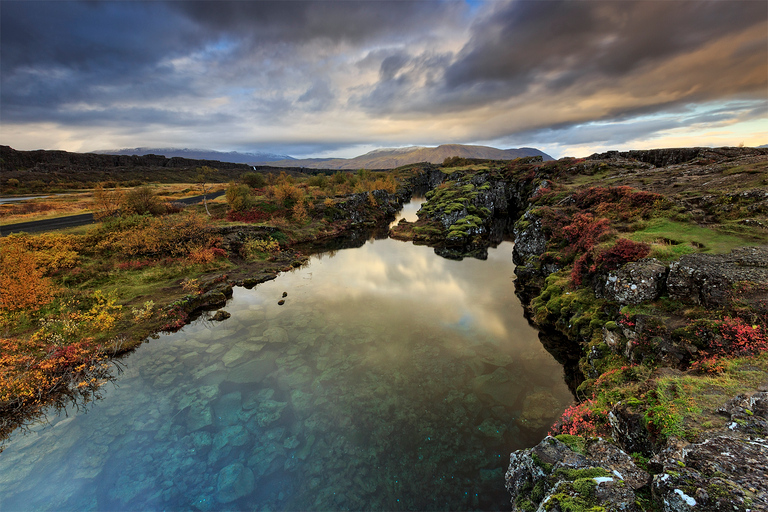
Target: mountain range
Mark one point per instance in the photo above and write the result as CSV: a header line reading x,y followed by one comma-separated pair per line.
x,y
387,158
200,154
395,157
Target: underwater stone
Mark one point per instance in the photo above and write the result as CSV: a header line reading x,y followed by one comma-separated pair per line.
x,y
293,379
269,412
201,439
276,335
234,356
306,449
199,416
301,401
497,387
251,372
231,436
253,399
216,347
291,442
540,409
233,482
227,408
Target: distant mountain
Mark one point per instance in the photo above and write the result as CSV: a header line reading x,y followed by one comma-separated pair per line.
x,y
395,157
200,154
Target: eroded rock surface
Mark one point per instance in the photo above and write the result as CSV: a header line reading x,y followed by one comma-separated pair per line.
x,y
554,476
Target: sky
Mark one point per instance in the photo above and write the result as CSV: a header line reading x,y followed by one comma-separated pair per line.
x,y
340,78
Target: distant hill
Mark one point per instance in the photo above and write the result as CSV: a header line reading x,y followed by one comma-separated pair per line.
x,y
200,154
395,157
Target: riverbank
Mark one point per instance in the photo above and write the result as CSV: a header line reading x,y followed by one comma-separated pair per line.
x,y
646,273
73,302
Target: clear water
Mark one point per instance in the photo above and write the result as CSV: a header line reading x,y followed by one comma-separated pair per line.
x,y
390,379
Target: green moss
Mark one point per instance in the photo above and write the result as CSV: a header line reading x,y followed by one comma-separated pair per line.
x,y
575,443
577,474
547,467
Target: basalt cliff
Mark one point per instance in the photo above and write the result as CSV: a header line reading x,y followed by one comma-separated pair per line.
x,y
647,275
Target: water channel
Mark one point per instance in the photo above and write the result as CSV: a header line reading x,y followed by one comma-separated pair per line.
x,y
391,379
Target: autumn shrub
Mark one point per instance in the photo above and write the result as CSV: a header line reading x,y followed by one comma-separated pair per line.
x,y
611,258
585,419
54,251
154,237
239,197
206,254
254,215
254,179
286,193
142,201
299,212
259,249
23,285
585,231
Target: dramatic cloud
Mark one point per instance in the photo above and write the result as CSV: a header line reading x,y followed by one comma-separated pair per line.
x,y
338,76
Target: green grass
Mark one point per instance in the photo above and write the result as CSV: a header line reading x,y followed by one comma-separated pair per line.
x,y
671,239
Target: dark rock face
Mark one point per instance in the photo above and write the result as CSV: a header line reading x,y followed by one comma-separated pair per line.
x,y
552,476
674,156
708,279
530,240
369,207
628,429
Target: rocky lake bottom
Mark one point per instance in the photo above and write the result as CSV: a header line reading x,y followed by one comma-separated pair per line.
x,y
390,379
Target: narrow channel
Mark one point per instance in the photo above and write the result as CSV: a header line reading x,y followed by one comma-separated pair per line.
x,y
390,379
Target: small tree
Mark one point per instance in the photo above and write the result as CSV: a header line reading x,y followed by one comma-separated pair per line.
x,y
107,203
204,177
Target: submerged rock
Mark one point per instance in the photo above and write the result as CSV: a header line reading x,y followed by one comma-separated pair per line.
x,y
233,482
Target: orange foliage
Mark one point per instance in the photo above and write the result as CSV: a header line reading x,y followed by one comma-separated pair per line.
x,y
22,284
54,251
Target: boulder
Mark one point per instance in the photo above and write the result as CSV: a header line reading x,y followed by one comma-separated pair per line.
x,y
634,283
233,482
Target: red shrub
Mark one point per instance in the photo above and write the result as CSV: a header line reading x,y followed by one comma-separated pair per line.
x,y
581,420
585,231
253,215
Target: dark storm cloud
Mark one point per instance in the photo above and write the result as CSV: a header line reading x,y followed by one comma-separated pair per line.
x,y
525,41
302,21
580,48
56,53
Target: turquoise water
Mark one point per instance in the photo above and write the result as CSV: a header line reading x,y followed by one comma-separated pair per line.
x,y
391,379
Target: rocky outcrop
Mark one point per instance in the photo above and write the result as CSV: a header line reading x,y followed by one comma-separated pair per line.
x,y
725,471
709,279
674,156
579,475
368,208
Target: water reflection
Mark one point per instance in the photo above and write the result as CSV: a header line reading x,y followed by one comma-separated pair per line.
x,y
391,379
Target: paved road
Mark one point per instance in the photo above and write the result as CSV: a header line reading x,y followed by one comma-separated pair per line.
x,y
76,220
